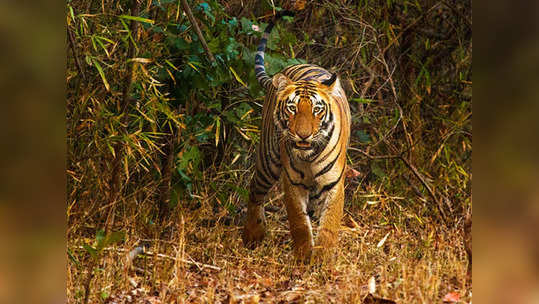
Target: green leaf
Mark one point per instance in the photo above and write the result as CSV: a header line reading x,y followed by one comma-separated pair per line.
x,y
114,237
181,44
236,76
100,237
101,73
288,18
136,18
91,250
244,193
100,240
377,170
72,257
104,295
363,136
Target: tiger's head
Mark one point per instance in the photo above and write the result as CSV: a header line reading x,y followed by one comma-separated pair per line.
x,y
303,113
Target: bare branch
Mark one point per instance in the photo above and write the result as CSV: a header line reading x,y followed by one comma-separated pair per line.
x,y
187,10
75,54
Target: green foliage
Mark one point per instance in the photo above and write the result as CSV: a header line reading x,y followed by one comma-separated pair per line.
x,y
205,81
102,241
409,91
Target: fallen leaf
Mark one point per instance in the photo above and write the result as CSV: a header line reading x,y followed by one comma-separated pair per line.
x,y
372,285
382,241
351,173
452,297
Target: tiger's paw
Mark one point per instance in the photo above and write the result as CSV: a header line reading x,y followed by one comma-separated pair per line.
x,y
303,254
320,255
253,233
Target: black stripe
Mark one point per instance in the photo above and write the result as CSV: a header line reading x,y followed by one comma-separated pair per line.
x,y
327,187
275,152
262,45
274,175
259,60
296,169
325,125
336,144
262,180
328,166
330,133
275,157
296,184
265,169
282,121
310,70
293,69
268,144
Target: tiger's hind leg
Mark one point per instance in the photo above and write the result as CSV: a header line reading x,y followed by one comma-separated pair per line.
x,y
254,229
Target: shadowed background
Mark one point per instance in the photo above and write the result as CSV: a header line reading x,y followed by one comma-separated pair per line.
x,y
32,153
506,146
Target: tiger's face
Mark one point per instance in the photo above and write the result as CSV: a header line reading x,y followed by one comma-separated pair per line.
x,y
303,114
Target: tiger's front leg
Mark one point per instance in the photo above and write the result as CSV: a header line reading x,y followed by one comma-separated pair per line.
x,y
264,178
296,198
330,220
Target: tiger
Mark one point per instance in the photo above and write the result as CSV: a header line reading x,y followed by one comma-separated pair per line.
x,y
303,141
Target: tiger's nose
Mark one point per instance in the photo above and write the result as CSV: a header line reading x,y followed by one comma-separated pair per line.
x,y
304,134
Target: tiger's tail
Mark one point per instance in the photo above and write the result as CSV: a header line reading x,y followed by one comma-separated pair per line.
x,y
260,70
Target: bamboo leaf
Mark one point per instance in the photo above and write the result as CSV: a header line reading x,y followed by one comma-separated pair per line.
x,y
141,60
171,65
139,19
217,130
101,73
193,66
236,76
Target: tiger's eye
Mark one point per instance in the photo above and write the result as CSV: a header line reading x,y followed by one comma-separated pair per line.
x,y
291,108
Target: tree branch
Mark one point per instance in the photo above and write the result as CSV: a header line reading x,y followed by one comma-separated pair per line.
x,y
414,171
193,21
75,55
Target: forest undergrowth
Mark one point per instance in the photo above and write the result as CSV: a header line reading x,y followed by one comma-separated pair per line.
x,y
162,127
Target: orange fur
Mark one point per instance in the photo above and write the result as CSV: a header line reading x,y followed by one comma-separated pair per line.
x,y
313,130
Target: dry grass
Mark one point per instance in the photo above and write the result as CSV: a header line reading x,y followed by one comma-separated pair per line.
x,y
417,263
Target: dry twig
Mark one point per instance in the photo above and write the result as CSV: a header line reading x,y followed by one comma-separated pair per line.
x,y
194,22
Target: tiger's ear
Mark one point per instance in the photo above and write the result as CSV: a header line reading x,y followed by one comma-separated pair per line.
x,y
332,83
280,81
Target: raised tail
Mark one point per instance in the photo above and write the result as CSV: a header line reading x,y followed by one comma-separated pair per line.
x,y
260,70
